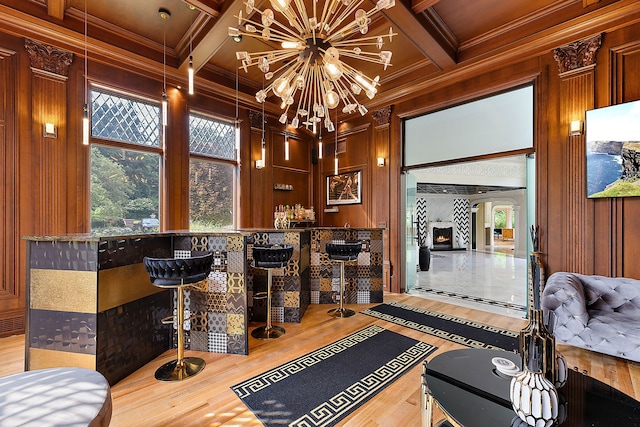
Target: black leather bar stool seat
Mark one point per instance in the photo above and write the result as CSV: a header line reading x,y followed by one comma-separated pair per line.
x,y
178,273
343,252
270,257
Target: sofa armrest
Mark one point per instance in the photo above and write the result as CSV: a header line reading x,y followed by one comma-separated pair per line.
x,y
564,296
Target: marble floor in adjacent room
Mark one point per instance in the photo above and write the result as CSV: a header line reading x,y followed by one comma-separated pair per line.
x,y
490,280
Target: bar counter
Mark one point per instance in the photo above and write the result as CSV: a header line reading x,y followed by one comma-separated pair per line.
x,y
90,302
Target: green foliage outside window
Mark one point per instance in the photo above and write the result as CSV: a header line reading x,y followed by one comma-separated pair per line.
x,y
124,190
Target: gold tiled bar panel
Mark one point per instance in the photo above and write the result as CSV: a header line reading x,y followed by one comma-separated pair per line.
x,y
63,290
44,359
121,285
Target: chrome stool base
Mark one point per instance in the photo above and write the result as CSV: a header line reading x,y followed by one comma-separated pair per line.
x,y
341,312
171,371
268,332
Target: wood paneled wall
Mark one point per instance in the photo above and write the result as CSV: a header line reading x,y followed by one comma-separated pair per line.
x,y
46,183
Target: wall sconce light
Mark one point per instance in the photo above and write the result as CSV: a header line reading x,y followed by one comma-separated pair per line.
x,y
575,128
259,164
380,162
49,130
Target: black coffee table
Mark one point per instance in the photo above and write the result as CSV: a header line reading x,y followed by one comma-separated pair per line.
x,y
470,392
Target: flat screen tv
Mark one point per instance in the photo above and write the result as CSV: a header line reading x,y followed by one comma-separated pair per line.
x,y
613,151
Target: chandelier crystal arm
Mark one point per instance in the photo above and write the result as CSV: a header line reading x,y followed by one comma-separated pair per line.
x,y
359,41
337,20
289,13
256,30
367,57
302,12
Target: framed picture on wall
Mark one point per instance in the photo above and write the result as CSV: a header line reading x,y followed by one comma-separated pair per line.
x,y
344,189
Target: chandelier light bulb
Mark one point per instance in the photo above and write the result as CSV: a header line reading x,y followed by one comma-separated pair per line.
x,y
291,45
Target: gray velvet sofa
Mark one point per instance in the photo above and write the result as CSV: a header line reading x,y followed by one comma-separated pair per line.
x,y
595,312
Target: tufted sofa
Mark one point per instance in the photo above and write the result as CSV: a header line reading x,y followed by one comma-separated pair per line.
x,y
595,312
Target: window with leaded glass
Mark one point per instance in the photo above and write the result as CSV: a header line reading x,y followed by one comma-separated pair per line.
x,y
125,163
212,173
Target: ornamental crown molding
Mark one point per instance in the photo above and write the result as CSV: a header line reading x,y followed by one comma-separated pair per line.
x,y
382,116
256,119
48,58
577,55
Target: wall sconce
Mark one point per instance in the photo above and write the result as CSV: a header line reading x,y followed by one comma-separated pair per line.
x,y
49,130
575,128
380,162
259,164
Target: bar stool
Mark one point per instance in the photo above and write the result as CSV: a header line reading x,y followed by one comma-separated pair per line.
x,y
343,252
269,257
178,273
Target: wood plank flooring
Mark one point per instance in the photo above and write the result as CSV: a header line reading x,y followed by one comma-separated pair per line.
x,y
207,400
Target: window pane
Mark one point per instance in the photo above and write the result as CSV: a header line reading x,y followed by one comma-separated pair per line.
x,y
210,194
117,118
211,138
124,191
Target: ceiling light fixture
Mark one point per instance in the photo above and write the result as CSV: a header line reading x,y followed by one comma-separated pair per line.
x,y
335,159
191,72
313,49
262,162
286,143
85,108
165,15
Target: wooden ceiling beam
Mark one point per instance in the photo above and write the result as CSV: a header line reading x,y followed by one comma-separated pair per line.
x,y
56,8
210,7
211,42
425,35
421,5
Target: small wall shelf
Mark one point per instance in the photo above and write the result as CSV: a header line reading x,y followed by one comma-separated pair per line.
x,y
283,187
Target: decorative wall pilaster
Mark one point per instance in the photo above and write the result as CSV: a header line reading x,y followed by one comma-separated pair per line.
x,y
576,65
49,73
380,179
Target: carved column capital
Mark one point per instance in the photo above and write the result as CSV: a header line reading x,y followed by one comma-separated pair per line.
x,y
48,58
256,119
382,116
577,55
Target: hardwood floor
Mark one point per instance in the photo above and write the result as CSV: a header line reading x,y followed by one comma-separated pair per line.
x,y
207,400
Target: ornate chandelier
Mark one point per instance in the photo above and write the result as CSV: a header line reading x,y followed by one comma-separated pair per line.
x,y
311,56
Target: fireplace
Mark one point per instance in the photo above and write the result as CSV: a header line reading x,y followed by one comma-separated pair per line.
x,y
442,238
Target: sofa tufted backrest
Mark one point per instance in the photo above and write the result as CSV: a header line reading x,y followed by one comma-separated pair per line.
x,y
617,294
564,294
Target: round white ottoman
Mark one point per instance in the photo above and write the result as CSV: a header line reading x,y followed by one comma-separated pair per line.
x,y
55,397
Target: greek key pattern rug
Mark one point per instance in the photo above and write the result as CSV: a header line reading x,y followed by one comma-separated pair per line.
x,y
324,386
462,331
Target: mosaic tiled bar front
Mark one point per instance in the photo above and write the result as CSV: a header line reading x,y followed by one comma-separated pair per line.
x,y
91,303
363,278
219,311
290,291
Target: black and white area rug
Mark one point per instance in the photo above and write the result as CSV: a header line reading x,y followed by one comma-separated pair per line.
x,y
456,329
480,300
324,386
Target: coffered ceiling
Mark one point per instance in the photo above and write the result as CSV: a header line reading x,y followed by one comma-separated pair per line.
x,y
437,41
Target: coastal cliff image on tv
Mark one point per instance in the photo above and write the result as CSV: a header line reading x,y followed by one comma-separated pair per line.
x,y
613,151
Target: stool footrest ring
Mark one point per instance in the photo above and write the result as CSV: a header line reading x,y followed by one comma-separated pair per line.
x,y
168,320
